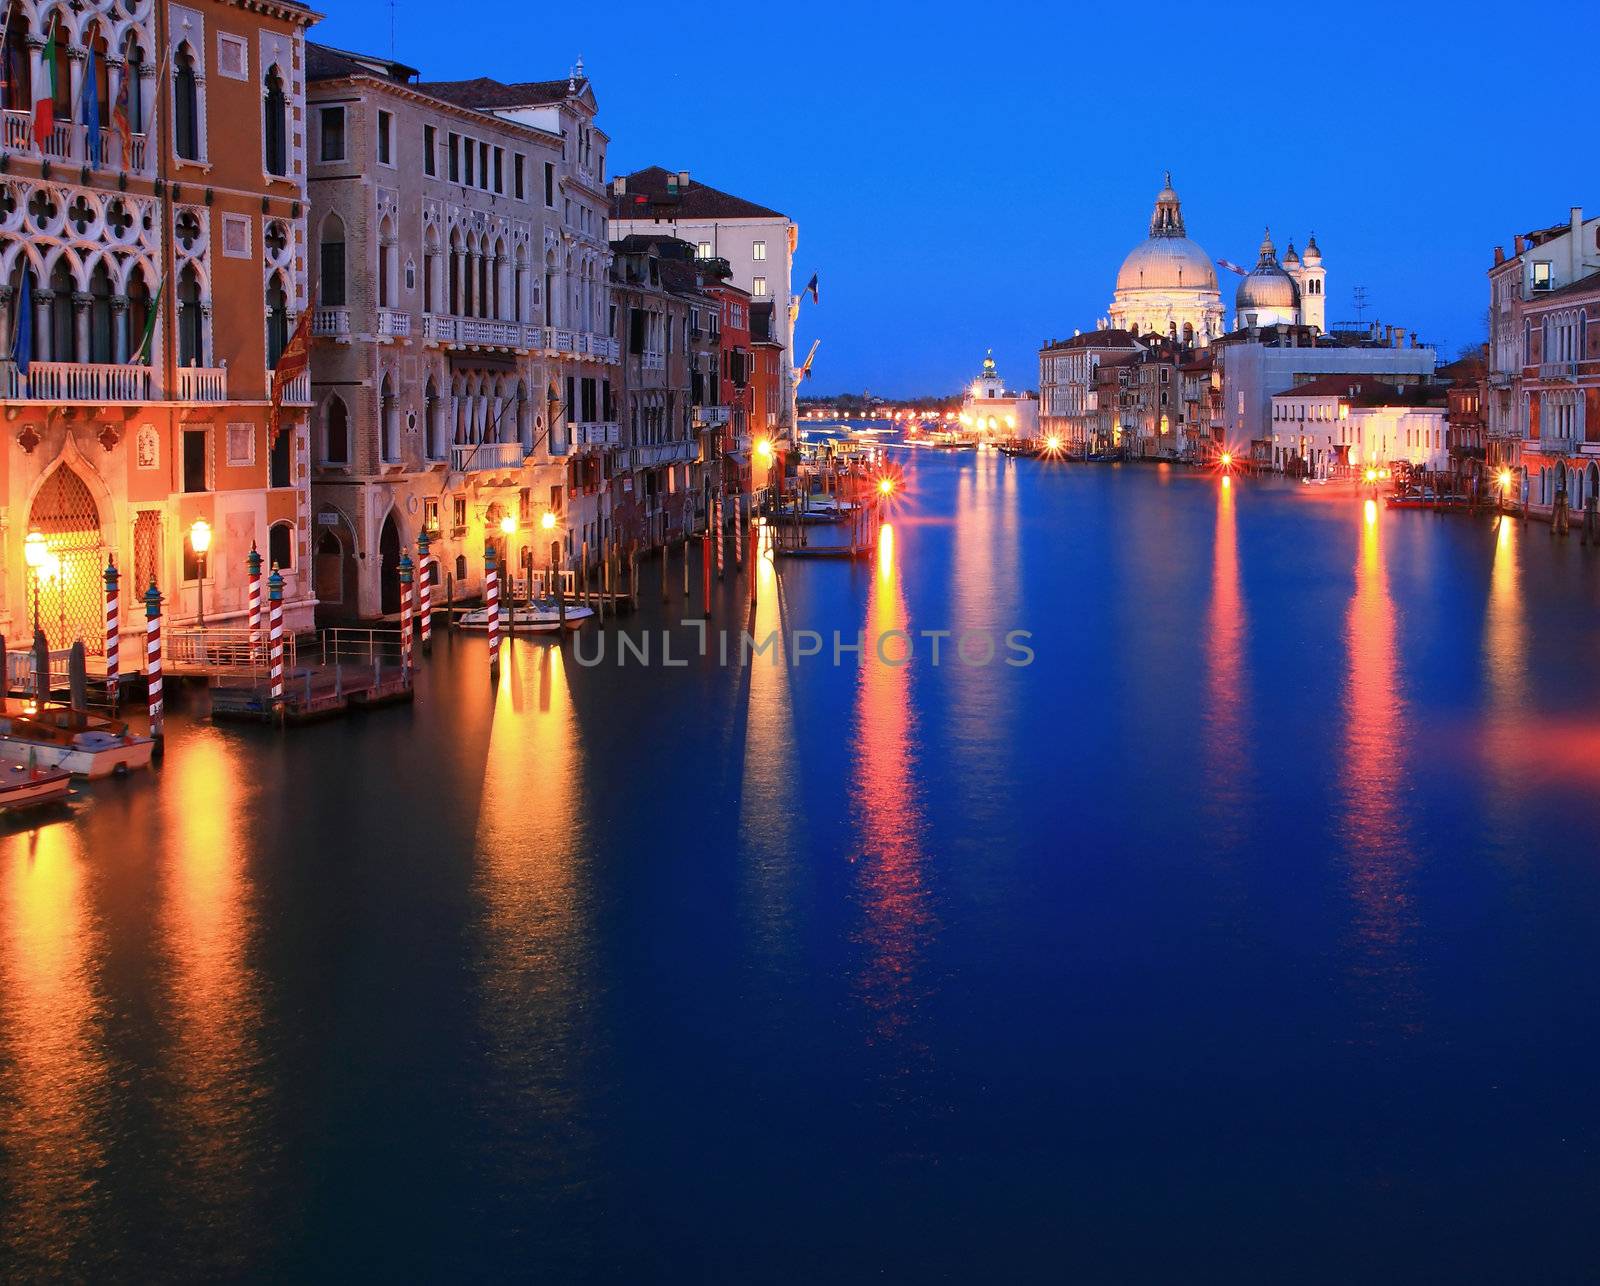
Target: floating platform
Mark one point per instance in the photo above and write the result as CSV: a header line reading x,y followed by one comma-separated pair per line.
x,y
311,693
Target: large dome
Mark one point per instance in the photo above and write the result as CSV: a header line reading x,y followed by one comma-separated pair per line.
x,y
1168,260
1167,263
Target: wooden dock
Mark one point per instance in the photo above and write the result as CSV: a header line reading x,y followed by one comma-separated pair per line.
x,y
357,669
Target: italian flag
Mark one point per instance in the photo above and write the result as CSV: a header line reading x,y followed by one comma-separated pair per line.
x,y
44,107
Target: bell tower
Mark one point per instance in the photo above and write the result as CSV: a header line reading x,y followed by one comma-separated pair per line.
x,y
1312,279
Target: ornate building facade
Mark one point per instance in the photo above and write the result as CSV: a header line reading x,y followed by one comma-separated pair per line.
x,y
465,359
163,273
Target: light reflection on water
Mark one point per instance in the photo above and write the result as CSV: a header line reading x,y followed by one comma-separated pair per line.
x,y
1226,757
892,886
52,1067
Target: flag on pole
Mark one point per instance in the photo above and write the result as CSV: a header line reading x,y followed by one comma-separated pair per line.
x,y
294,359
23,351
141,355
44,106
119,116
812,287
90,111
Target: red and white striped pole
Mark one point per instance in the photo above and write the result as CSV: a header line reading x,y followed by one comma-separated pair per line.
x,y
405,614
253,567
491,604
113,632
424,596
738,529
152,659
716,506
275,635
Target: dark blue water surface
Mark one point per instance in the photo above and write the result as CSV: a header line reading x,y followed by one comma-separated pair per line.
x,y
1248,934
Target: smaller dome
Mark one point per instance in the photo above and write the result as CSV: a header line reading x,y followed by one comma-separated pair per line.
x,y
1267,286
1313,255
1291,257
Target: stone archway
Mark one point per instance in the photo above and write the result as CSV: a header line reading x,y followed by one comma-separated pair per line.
x,y
69,589
389,566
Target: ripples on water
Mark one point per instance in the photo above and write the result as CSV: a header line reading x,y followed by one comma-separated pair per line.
x,y
1265,894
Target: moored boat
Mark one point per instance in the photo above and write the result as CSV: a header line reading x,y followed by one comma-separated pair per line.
x,y
84,744
541,617
22,786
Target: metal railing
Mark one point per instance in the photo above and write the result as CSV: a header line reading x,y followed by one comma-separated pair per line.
x,y
227,649
474,457
21,670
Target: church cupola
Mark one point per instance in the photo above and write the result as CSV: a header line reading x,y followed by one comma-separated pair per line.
x,y
1167,221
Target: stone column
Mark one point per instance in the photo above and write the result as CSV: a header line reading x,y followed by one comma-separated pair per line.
x,y
119,330
77,141
81,299
147,93
5,319
42,299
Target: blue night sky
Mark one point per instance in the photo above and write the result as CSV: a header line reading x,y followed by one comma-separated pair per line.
x,y
968,176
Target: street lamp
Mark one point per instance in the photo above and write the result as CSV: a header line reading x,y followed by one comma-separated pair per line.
x,y
508,525
34,552
200,541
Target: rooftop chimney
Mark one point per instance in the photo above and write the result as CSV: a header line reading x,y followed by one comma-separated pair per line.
x,y
1499,255
1521,243
683,179
619,186
1575,245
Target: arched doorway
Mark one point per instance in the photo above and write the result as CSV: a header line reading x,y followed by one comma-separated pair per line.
x,y
71,591
389,566
329,569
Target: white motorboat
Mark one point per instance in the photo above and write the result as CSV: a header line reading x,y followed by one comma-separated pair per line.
x,y
52,736
540,617
25,786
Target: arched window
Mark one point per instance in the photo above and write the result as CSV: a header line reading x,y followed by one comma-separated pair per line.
x,y
277,319
387,413
191,330
62,348
132,76
386,256
101,343
336,432
331,263
280,546
137,315
275,124
185,106
18,87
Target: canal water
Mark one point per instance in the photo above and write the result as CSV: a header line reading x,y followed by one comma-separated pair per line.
x,y
1247,933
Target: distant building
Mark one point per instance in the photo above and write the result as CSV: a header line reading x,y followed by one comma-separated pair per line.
x,y
1068,405
1465,384
991,410
1338,423
1258,363
766,376
758,243
1286,294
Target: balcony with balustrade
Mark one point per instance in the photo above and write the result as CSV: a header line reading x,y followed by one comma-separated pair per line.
x,y
69,142
393,324
482,457
91,383
202,384
1561,372
597,434
331,323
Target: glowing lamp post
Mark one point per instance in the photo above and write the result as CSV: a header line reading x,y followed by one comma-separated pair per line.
x,y
35,552
1227,459
200,542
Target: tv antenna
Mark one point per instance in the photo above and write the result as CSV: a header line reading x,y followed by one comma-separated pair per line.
x,y
1360,295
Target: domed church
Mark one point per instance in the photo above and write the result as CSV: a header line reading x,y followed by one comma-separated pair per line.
x,y
1167,285
1289,294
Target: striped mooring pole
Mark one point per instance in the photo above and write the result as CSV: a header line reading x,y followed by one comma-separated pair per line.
x,y
252,564
716,507
738,529
113,632
424,595
491,604
152,658
405,614
275,634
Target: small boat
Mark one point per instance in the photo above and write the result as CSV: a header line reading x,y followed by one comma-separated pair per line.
x,y
30,786
84,744
543,616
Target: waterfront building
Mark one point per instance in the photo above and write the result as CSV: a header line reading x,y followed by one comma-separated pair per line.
x,y
1336,423
723,398
1543,384
757,243
464,363
150,279
1068,396
1200,423
1465,382
1167,285
766,375
655,288
1257,363
989,409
